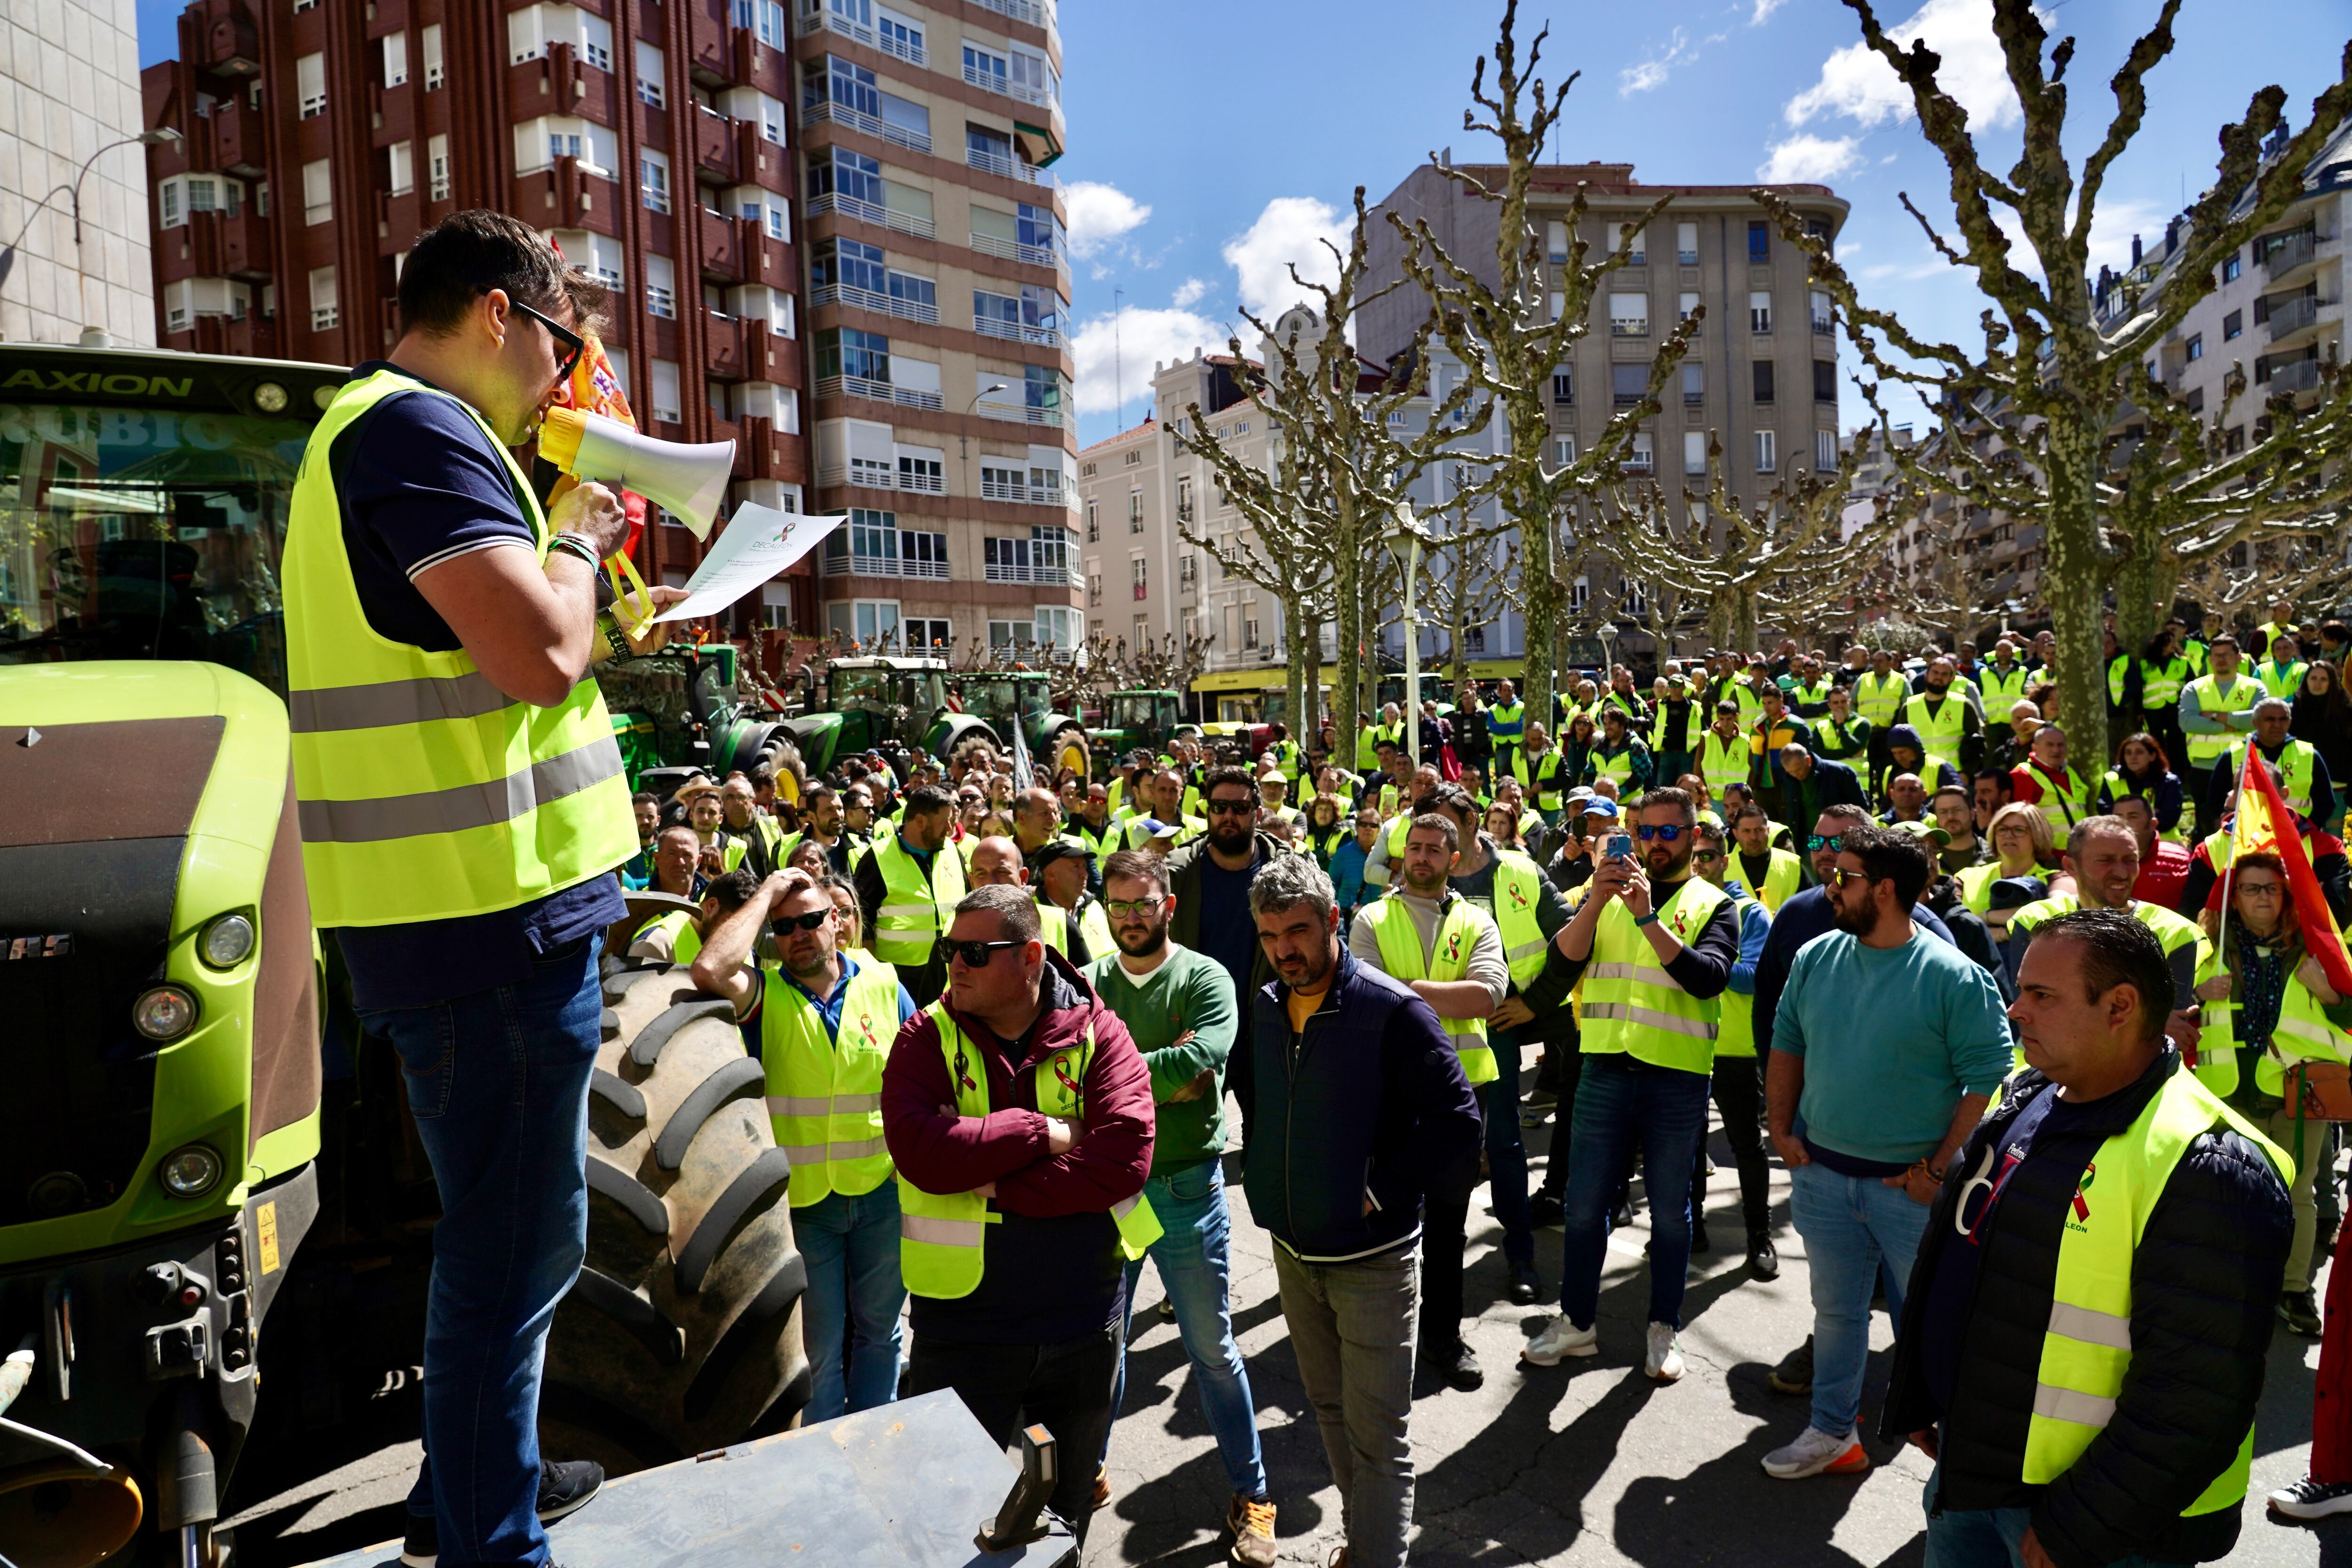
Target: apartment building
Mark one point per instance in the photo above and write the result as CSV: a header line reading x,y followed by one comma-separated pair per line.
x,y
69,119
1127,535
652,141
1761,373
938,298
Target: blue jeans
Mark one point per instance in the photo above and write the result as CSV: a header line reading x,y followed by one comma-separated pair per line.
x,y
1856,1229
1191,1252
498,1081
1623,1107
851,1246
1507,1152
1986,1538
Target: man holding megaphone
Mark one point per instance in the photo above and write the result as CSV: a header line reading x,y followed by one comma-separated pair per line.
x,y
463,807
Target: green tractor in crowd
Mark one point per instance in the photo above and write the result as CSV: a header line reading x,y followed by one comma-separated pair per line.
x,y
871,704
190,1094
994,702
1138,721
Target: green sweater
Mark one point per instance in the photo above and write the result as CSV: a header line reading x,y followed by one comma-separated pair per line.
x,y
1191,990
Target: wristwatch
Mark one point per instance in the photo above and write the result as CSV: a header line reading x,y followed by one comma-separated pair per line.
x,y
610,630
1649,920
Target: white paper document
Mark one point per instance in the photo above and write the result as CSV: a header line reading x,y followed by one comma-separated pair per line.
x,y
757,545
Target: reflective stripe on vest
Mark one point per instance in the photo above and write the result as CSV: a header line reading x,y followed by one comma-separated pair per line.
x,y
2301,1033
2087,1350
1630,1004
824,1095
1401,956
917,906
1397,831
422,792
1507,724
2000,692
1541,783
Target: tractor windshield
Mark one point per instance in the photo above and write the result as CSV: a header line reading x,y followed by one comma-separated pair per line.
x,y
991,697
1134,711
867,688
144,533
922,691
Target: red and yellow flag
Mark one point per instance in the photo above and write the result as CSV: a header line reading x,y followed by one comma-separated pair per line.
x,y
2264,825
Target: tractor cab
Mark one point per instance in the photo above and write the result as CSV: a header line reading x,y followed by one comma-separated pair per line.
x,y
1006,698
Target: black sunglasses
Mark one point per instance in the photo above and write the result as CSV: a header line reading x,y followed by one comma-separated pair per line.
x,y
976,955
809,922
569,345
1231,807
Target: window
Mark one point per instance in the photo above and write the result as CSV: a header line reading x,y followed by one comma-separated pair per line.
x,y
2232,266
1767,452
2234,326
436,167
1694,451
311,85
1563,388
1759,241
2234,439
1134,459
1825,452
1579,594
597,40
1760,312
897,35
1686,303
1762,371
2197,400
396,60
317,193
666,406
652,179
1094,519
1140,576
847,352
653,76
2197,346
845,84
837,170
1556,242
323,313
1135,512
1629,314
1824,324
432,52
1686,244
400,160
1628,383
1043,557
764,18
1694,384
1558,305
925,474
1637,596
1825,386
661,286
1249,633
1641,459
1637,250
982,69
871,622
167,199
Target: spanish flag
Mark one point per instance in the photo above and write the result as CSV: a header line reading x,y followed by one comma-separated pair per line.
x,y
2264,825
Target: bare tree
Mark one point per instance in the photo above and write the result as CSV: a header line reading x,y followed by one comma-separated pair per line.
x,y
1464,577
2044,406
1510,342
1336,471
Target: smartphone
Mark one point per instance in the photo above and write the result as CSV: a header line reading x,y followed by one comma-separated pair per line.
x,y
1619,846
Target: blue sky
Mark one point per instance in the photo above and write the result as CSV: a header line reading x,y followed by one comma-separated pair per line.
x,y
1212,143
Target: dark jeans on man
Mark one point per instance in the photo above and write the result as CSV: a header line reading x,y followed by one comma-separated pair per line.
x,y
1065,1387
1621,1106
498,1081
1739,1098
1564,1067
1444,1233
1507,1151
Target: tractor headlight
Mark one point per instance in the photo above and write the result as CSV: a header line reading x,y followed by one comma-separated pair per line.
x,y
227,941
270,397
190,1171
164,1012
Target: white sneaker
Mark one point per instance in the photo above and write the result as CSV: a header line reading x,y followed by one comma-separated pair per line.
x,y
1560,1338
1665,1361
1816,1453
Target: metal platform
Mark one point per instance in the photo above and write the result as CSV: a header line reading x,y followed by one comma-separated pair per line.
x,y
906,1484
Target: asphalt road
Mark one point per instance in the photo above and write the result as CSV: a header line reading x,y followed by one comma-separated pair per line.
x,y
1587,1463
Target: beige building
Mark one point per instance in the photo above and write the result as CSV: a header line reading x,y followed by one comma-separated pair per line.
x,y
68,114
939,302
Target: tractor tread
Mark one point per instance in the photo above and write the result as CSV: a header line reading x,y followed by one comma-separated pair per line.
x,y
633,1196
733,1081
689,1006
771,1171
624,1098
643,1321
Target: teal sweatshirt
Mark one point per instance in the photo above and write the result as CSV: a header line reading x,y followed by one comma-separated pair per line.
x,y
1189,991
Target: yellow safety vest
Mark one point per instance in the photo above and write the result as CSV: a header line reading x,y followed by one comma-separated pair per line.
x,y
824,1095
2204,751
1506,724
1401,956
1878,699
424,792
2173,932
1541,782
1628,1003
2000,691
2063,803
942,1249
2115,786
1366,757
1810,701
1735,1033
1976,885
2159,685
1518,895
1054,927
1617,767
2281,683
1399,829
2087,1354
2294,765
1099,843
685,940
2301,1033
1942,729
1931,772
1783,877
917,906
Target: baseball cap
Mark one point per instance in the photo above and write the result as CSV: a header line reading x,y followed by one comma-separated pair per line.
x,y
1054,850
1934,835
1154,828
1599,805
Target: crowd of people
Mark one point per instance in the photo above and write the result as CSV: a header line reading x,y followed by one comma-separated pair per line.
x,y
1947,969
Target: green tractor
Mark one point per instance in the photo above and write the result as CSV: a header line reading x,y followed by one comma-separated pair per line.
x,y
1137,720
993,702
677,712
874,703
174,1127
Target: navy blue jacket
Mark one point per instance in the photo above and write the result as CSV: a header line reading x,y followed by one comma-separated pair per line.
x,y
1367,1101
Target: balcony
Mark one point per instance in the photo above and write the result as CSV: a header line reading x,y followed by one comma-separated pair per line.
x,y
724,341
1629,327
1027,11
2290,316
2293,380
1016,331
232,139
761,453
1011,168
1011,250
1020,414
859,563
717,148
768,261
220,246
723,245
879,391
227,39
1019,91
1824,327
2289,256
880,304
873,213
1019,492
1037,576
857,120
769,355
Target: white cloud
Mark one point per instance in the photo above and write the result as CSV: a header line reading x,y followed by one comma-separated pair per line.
x,y
1857,83
1763,12
1100,214
1807,159
1289,232
1114,356
1189,292
1644,75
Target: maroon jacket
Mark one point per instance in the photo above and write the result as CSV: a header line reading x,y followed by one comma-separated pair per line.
x,y
1053,1270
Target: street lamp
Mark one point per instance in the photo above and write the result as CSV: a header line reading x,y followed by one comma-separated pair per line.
x,y
963,441
1407,538
160,137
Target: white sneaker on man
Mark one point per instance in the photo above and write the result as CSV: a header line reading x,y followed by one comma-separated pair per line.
x,y
1815,1453
1664,1360
1561,1338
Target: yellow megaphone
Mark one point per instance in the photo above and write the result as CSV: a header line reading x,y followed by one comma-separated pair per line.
x,y
687,481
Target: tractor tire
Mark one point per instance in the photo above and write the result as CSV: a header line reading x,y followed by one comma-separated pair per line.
x,y
1067,748
683,1333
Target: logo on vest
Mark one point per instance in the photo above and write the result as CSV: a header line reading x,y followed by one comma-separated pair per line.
x,y
2081,1206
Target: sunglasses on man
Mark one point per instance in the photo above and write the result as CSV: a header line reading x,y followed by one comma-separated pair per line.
x,y
569,345
781,924
1834,844
977,955
1665,832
